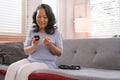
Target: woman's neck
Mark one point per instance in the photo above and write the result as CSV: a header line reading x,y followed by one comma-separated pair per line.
x,y
42,31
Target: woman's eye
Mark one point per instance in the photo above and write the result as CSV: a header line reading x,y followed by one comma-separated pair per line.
x,y
42,17
45,17
38,17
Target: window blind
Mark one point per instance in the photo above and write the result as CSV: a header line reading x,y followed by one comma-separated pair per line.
x,y
10,16
105,16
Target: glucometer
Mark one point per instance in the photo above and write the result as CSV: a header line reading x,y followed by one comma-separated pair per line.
x,y
37,37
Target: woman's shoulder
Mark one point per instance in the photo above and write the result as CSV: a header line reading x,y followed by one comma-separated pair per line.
x,y
57,31
31,30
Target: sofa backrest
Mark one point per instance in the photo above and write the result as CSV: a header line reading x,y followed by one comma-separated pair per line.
x,y
94,53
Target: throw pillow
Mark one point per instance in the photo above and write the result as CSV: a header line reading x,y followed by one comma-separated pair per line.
x,y
11,52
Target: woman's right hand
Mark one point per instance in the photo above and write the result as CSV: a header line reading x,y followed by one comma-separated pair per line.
x,y
35,42
30,49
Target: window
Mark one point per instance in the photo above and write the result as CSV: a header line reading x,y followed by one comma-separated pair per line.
x,y
11,19
105,16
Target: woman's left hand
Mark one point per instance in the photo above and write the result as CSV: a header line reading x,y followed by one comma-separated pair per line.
x,y
55,50
47,41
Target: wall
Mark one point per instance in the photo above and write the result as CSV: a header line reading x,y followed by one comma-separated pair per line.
x,y
62,17
69,18
65,18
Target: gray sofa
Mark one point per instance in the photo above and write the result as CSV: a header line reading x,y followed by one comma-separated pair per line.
x,y
99,59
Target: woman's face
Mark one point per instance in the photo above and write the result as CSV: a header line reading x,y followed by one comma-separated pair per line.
x,y
42,19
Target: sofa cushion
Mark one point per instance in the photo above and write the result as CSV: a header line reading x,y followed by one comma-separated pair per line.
x,y
11,52
107,56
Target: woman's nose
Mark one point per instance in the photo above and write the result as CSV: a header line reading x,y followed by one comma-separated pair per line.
x,y
41,19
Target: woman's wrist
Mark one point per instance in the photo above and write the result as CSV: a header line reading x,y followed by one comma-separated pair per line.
x,y
33,46
50,44
54,49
